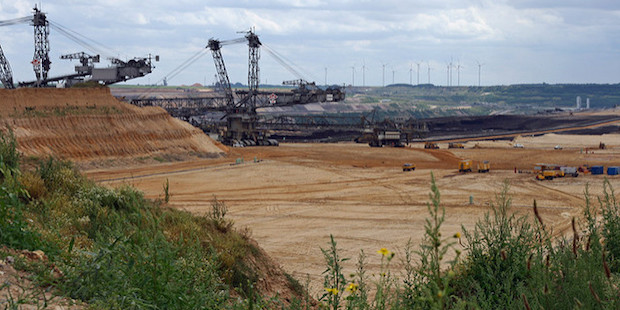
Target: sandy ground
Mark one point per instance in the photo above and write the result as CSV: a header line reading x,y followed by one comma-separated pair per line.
x,y
294,196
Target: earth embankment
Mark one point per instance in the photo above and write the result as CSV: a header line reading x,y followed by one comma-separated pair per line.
x,y
90,126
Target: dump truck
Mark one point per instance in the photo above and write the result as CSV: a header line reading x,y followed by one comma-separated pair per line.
x,y
408,167
484,166
548,171
456,145
431,145
549,174
465,165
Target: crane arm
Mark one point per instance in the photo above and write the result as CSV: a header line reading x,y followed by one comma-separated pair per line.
x,y
220,67
15,21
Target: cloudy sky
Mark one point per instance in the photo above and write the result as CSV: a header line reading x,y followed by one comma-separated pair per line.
x,y
362,42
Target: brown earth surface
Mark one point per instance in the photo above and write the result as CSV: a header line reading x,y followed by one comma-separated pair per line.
x,y
294,196
92,128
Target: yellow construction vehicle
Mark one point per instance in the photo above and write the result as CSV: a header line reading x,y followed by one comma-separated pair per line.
x,y
549,174
484,166
455,145
465,165
408,167
431,145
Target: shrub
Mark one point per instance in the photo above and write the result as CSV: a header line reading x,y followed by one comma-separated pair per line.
x,y
9,156
14,229
33,185
495,270
60,176
611,226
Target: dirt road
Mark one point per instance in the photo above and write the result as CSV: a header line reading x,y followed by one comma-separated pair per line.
x,y
294,196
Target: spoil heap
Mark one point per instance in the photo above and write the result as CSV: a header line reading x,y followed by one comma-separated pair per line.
x,y
89,125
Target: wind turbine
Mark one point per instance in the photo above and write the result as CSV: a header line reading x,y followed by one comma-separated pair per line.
x,y
458,73
429,71
393,73
383,74
418,64
479,69
411,74
353,77
364,73
325,76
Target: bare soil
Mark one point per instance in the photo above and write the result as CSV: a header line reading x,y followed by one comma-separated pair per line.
x,y
94,129
295,196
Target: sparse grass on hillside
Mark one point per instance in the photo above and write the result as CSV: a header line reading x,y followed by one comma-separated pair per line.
x,y
115,249
33,112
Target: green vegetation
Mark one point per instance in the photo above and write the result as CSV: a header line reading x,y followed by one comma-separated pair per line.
x,y
33,112
114,249
510,262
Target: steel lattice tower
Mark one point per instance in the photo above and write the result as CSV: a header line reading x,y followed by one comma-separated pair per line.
x,y
253,70
41,61
6,76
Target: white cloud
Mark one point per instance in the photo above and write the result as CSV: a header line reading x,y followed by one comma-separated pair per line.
x,y
338,34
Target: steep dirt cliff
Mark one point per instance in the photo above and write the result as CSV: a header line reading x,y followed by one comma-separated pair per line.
x,y
91,126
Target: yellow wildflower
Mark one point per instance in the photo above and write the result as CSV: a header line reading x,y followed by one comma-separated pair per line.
x,y
352,287
333,291
384,252
457,235
440,294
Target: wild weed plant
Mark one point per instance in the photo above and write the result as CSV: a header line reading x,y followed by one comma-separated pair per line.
x,y
509,261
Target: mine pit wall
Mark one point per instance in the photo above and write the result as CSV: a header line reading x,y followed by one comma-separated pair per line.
x,y
89,124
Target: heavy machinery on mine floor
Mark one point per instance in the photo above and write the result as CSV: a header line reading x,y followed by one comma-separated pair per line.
x,y
430,145
484,166
465,165
118,71
239,108
389,132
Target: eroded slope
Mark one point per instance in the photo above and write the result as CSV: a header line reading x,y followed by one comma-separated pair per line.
x,y
91,126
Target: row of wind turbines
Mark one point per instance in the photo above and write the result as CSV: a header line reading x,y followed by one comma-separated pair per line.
x,y
449,73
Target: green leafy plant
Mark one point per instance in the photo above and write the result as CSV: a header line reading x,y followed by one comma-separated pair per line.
x,y
334,281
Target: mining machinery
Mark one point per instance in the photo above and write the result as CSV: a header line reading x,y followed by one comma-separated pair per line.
x,y
6,76
239,107
241,117
41,60
119,71
86,61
